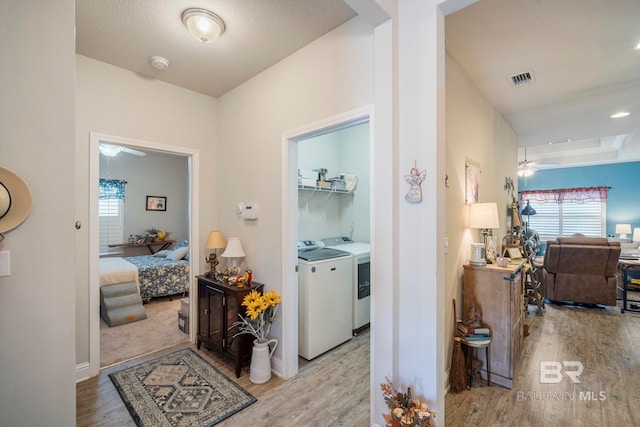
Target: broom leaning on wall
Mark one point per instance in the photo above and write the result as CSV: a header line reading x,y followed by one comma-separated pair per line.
x,y
458,370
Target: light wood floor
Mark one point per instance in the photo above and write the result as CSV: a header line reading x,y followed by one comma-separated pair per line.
x,y
605,341
331,390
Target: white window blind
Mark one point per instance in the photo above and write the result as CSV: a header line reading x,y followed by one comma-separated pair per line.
x,y
566,211
554,220
111,225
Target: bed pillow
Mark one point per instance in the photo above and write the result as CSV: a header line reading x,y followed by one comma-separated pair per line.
x,y
178,254
181,244
162,253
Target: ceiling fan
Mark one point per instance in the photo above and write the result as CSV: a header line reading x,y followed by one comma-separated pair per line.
x,y
111,150
526,167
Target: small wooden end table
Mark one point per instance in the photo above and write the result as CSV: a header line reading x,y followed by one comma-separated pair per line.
x,y
472,344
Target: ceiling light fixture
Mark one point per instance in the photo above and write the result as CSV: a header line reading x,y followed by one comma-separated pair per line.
x,y
204,26
109,150
637,47
559,141
619,115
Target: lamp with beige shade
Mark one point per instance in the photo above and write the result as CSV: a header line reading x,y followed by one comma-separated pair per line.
x,y
214,241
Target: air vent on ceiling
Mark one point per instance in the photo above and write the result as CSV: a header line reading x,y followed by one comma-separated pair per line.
x,y
523,79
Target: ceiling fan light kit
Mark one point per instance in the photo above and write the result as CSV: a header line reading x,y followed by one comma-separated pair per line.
x,y
205,26
111,150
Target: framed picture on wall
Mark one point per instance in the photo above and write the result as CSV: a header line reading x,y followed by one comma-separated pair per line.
x,y
156,203
472,182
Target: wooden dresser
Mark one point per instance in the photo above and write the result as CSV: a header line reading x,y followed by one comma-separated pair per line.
x,y
219,304
499,294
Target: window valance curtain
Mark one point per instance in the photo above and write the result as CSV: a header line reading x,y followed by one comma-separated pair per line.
x,y
111,189
571,195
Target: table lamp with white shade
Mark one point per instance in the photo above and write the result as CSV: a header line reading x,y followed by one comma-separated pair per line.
x,y
623,230
214,241
636,234
233,251
485,217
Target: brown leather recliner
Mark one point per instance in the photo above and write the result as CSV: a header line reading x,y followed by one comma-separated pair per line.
x,y
581,270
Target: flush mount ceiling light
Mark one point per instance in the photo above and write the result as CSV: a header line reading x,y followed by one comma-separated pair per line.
x,y
619,115
204,26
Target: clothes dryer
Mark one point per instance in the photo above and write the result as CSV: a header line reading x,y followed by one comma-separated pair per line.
x,y
361,278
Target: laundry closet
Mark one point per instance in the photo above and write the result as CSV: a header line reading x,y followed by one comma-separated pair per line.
x,y
334,231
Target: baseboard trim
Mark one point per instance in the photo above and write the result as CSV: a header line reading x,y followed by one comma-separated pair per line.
x,y
276,366
83,372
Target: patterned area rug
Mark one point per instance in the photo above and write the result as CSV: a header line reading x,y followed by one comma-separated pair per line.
x,y
179,389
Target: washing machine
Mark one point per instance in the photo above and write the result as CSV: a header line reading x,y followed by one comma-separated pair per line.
x,y
361,280
325,299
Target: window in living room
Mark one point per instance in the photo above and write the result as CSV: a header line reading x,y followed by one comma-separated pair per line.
x,y
564,212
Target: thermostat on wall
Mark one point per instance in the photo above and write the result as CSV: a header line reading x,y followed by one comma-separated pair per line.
x,y
247,210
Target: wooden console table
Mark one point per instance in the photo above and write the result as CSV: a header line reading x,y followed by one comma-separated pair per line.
x,y
498,293
163,244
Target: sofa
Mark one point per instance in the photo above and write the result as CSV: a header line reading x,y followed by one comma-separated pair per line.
x,y
581,270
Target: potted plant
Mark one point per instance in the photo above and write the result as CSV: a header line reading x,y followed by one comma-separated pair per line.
x,y
261,309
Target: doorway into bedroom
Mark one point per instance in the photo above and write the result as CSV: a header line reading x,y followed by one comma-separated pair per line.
x,y
143,234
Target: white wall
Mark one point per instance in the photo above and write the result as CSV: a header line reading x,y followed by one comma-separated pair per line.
x,y
330,76
156,174
322,215
476,132
37,302
114,101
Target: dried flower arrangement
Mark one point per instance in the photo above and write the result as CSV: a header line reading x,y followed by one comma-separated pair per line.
x,y
405,411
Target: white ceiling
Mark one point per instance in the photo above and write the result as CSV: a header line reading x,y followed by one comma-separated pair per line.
x,y
585,68
259,33
580,53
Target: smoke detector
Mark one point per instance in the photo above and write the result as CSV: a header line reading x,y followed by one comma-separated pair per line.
x,y
160,62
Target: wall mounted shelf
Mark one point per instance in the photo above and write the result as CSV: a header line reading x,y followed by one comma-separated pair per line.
x,y
323,189
318,190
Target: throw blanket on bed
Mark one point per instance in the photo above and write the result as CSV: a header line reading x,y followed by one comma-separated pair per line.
x,y
160,276
117,270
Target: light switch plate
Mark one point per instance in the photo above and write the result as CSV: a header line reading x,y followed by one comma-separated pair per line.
x,y
5,263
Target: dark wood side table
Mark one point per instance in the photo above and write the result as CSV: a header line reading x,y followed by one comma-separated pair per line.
x,y
630,272
219,304
164,244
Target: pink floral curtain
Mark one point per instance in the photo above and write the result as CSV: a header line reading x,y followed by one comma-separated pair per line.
x,y
560,195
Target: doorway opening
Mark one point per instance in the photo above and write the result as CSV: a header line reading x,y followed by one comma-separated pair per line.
x,y
185,223
291,220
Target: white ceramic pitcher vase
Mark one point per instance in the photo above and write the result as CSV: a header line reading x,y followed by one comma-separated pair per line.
x,y
260,368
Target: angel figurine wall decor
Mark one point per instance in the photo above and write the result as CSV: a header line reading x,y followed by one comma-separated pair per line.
x,y
415,179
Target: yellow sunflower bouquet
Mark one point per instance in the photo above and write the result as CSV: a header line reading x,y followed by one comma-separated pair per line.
x,y
261,310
